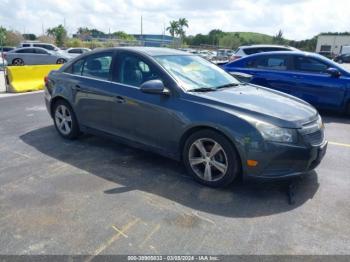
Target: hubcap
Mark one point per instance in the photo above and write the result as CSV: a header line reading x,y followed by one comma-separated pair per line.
x,y
63,119
18,62
208,159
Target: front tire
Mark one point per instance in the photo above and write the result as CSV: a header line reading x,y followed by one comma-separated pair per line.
x,y
65,120
211,158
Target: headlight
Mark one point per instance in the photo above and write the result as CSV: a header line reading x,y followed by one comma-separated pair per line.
x,y
276,134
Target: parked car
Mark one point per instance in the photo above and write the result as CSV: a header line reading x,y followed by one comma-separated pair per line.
x,y
243,51
184,107
6,49
311,77
345,49
46,46
345,58
35,56
76,51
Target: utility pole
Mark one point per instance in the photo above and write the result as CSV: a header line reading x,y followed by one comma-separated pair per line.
x,y
141,31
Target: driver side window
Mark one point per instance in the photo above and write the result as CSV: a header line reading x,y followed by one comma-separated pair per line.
x,y
308,64
134,71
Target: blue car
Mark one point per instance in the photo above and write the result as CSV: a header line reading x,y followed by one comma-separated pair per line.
x,y
308,76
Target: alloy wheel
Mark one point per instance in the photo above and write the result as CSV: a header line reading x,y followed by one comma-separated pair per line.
x,y
208,159
63,119
18,62
61,61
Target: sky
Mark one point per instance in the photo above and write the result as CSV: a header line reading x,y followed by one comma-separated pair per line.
x,y
298,19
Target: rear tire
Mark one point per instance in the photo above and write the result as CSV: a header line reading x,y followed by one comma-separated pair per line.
x,y
340,61
65,120
60,61
17,62
211,158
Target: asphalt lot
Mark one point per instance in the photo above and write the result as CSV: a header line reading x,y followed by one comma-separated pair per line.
x,y
94,196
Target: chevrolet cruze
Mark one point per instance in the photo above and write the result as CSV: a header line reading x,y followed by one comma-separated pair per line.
x,y
184,107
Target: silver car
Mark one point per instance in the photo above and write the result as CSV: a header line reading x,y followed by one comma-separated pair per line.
x,y
76,51
35,56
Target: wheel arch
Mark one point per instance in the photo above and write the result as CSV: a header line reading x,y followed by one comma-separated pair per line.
x,y
55,100
197,128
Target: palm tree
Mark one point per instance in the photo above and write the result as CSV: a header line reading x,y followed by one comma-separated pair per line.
x,y
183,22
173,28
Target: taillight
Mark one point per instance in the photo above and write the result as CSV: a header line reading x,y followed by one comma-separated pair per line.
x,y
46,80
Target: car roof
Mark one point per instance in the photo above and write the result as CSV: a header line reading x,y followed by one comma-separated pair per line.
x,y
36,43
150,51
284,53
254,46
31,47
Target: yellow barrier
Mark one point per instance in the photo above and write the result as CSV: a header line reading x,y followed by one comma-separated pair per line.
x,y
27,78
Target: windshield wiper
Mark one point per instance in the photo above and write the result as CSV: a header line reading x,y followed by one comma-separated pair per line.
x,y
228,85
202,89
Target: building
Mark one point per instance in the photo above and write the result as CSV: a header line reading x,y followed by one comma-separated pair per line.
x,y
330,44
156,40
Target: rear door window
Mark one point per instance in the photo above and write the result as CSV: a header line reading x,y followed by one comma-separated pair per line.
x,y
75,51
26,51
48,47
40,51
98,66
269,62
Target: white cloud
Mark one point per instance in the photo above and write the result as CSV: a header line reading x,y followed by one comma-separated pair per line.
x,y
298,19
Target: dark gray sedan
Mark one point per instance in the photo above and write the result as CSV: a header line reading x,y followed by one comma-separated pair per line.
x,y
184,107
35,56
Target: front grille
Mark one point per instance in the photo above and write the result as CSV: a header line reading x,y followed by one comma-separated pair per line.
x,y
315,138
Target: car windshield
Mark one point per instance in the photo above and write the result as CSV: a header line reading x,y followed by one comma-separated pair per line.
x,y
194,72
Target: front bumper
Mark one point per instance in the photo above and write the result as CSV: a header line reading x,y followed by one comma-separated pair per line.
x,y
283,160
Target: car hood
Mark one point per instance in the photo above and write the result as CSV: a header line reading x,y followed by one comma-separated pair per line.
x,y
268,105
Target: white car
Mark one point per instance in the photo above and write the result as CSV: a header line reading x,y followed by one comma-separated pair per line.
x,y
243,51
46,46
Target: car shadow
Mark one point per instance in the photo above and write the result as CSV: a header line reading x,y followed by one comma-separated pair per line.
x,y
133,169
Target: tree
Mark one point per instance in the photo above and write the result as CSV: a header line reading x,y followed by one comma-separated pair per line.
x,y
182,23
123,36
278,38
214,36
74,42
2,35
13,38
173,28
46,39
230,41
59,33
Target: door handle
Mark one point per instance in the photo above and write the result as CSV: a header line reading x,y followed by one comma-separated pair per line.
x,y
119,99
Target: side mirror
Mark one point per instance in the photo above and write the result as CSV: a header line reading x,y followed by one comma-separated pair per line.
x,y
242,77
333,72
154,87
